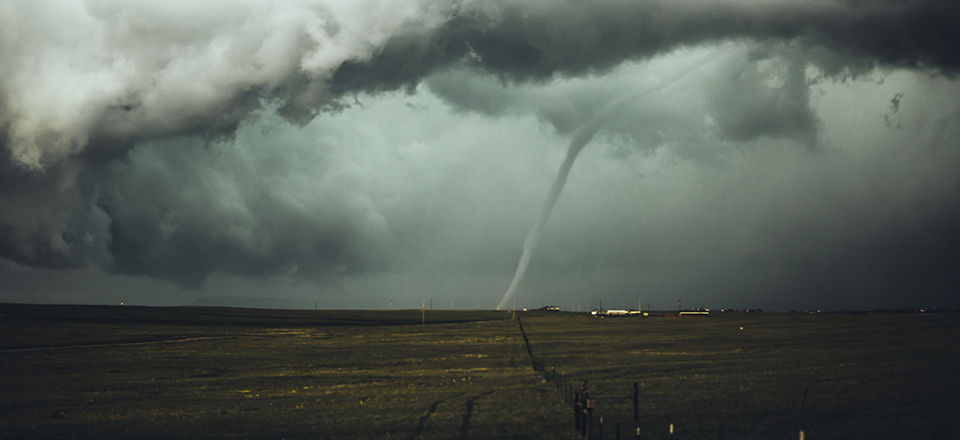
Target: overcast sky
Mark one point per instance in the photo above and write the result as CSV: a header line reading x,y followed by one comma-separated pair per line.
x,y
772,154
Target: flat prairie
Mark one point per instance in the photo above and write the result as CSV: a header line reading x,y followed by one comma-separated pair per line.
x,y
762,375
223,373
206,372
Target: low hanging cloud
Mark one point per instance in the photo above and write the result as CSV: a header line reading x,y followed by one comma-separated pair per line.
x,y
181,213
109,109
102,75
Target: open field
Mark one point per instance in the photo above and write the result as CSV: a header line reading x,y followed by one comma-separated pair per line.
x,y
101,372
206,372
748,375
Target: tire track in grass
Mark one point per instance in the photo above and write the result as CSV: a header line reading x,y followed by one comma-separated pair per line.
x,y
465,426
433,408
114,344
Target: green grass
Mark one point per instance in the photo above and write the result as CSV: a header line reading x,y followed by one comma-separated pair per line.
x,y
99,374
869,377
205,372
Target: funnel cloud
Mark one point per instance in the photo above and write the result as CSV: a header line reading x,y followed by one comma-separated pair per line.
x,y
581,138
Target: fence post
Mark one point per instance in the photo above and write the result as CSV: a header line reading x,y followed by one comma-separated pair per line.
x,y
583,417
617,432
636,403
600,430
589,422
577,410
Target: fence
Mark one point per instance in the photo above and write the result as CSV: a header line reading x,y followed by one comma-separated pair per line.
x,y
583,404
585,407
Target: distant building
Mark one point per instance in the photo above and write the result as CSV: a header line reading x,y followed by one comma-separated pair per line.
x,y
618,313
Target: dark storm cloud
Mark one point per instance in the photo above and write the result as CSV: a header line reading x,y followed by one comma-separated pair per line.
x,y
83,83
181,212
537,40
753,91
764,96
102,103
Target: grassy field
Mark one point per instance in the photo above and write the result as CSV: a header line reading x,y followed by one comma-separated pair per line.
x,y
112,372
748,375
206,372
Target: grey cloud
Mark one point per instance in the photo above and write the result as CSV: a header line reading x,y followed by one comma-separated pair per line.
x,y
84,83
693,101
517,42
536,40
48,219
105,108
182,212
764,96
143,71
784,228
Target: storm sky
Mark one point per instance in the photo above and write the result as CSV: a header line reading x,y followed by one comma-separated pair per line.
x,y
772,154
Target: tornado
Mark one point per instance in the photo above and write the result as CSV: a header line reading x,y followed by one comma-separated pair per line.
x,y
581,138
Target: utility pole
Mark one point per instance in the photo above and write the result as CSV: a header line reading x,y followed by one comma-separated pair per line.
x,y
423,313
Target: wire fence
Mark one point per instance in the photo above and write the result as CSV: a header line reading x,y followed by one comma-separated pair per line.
x,y
589,410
